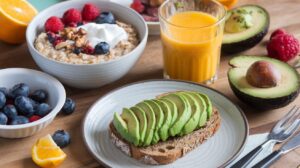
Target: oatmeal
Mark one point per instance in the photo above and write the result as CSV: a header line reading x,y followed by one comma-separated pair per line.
x,y
76,41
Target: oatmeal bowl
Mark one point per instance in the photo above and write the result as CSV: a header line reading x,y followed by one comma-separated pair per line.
x,y
87,44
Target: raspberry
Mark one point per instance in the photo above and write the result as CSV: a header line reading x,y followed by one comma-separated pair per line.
x,y
90,12
88,49
34,118
137,6
283,47
54,24
277,32
72,16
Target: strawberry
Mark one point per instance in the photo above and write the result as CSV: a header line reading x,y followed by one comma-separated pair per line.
x,y
138,6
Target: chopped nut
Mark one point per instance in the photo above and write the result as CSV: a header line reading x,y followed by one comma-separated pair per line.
x,y
81,31
80,42
61,45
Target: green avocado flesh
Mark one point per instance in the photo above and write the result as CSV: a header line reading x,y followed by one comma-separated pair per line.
x,y
251,35
174,114
284,92
133,134
141,115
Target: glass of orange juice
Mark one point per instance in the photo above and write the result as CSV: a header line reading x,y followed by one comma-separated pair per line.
x,y
191,33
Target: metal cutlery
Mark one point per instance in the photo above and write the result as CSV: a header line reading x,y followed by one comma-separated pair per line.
x,y
287,147
283,129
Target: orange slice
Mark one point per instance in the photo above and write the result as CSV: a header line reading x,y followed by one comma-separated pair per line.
x,y
15,15
228,3
46,154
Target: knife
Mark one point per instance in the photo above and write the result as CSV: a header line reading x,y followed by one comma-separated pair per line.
x,y
287,147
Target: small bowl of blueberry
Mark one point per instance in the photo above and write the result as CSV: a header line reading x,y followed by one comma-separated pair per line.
x,y
29,101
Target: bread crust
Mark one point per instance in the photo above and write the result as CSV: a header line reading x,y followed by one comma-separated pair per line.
x,y
170,150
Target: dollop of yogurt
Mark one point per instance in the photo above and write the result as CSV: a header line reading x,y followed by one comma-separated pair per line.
x,y
109,33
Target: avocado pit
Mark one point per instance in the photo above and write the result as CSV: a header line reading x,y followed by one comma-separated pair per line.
x,y
263,74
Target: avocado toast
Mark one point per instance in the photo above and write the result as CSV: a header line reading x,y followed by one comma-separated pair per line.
x,y
171,136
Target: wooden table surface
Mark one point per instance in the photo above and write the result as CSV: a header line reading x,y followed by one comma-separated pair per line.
x,y
16,153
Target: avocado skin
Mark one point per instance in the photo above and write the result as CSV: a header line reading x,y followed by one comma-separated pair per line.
x,y
233,48
264,104
236,47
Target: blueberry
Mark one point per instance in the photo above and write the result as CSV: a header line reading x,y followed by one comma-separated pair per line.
x,y
79,24
102,48
39,96
2,100
68,107
4,91
106,17
77,51
42,109
51,37
19,120
10,111
20,89
61,138
3,119
24,106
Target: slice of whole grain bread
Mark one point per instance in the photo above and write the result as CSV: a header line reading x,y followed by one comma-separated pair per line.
x,y
170,150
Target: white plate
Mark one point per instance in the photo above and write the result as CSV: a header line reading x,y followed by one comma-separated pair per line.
x,y
153,27
218,151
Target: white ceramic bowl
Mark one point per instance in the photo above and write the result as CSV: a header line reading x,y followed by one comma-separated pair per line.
x,y
92,75
153,27
36,80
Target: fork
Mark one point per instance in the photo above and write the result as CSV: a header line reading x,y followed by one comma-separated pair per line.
x,y
283,129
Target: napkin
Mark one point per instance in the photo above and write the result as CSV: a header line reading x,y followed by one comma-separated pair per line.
x,y
254,141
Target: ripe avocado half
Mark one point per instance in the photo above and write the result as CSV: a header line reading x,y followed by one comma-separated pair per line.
x,y
263,98
240,41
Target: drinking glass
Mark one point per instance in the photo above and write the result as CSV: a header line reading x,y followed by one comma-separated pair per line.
x,y
191,33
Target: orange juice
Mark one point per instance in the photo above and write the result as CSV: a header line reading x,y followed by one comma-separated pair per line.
x,y
191,46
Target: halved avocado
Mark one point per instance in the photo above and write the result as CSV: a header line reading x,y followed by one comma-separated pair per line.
x,y
159,115
255,28
286,90
141,115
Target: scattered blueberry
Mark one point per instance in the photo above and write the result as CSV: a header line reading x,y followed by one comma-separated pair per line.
x,y
42,109
68,107
10,111
19,120
61,138
20,89
4,91
77,51
105,17
24,106
39,96
3,119
102,48
2,100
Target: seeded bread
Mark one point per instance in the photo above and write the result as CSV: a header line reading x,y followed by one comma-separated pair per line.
x,y
170,150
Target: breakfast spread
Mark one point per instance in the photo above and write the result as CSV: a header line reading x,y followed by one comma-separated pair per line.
x,y
245,26
86,37
263,82
161,130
